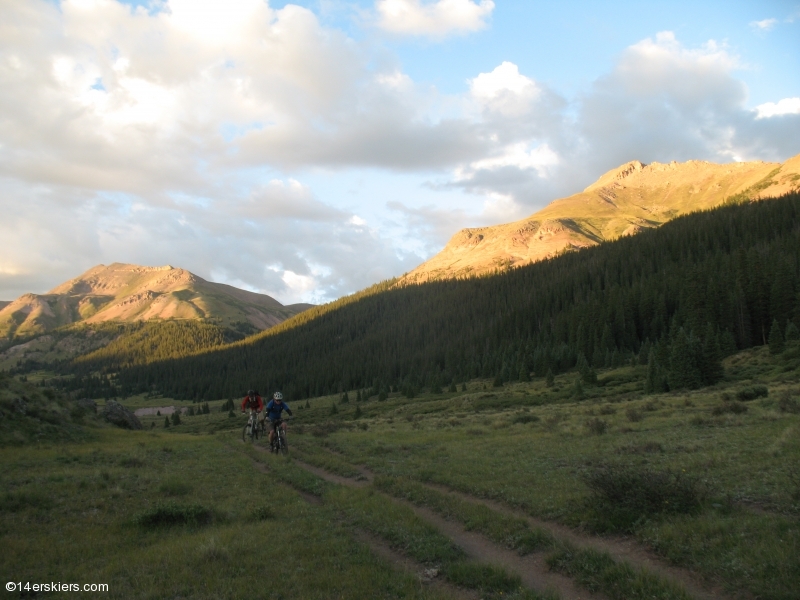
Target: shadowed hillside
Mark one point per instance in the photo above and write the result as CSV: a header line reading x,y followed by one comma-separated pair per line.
x,y
677,298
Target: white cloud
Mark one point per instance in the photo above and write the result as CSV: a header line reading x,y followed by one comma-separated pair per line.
x,y
434,19
764,25
787,106
517,155
504,90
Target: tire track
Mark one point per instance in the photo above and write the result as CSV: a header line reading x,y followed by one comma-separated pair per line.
x,y
623,549
532,568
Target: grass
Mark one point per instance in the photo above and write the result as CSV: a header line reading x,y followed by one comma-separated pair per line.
x,y
598,572
77,513
74,491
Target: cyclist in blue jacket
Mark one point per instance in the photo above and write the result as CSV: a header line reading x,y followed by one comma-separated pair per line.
x,y
273,411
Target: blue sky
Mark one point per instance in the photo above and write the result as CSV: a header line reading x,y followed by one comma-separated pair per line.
x,y
308,149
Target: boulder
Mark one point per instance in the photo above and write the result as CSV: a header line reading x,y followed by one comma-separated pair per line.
x,y
115,413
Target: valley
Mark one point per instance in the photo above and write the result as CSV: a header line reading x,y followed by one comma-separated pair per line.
x,y
483,492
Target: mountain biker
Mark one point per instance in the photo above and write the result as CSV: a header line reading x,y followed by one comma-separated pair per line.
x,y
253,402
274,409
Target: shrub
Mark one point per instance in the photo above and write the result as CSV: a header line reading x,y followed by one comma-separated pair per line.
x,y
168,514
523,418
624,496
174,487
596,426
788,404
752,392
736,408
633,415
263,513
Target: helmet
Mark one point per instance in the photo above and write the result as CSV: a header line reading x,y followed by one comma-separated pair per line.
x,y
250,392
277,396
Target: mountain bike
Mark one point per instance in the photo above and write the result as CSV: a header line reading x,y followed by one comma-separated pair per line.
x,y
279,444
251,429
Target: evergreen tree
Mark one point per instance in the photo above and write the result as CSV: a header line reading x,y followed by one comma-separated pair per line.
x,y
549,378
308,405
792,333
524,374
166,422
176,418
464,386
651,383
684,367
452,387
334,410
345,398
711,363
776,344
357,414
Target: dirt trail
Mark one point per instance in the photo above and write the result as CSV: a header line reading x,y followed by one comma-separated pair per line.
x,y
620,548
531,568
379,548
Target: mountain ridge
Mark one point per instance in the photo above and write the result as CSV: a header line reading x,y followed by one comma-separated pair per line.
x,y
623,201
127,293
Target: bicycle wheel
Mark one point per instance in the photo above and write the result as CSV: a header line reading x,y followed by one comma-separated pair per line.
x,y
282,441
255,431
244,433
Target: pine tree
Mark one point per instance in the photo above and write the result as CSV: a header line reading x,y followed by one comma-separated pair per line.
x,y
345,398
464,386
334,410
549,378
776,344
684,367
358,412
358,396
176,418
651,378
308,405
166,422
792,332
524,374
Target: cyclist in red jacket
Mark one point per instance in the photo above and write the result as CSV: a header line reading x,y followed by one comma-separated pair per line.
x,y
253,402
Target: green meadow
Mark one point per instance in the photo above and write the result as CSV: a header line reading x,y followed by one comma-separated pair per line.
x,y
703,485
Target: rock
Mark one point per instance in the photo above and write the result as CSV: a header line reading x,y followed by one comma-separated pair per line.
x,y
118,415
87,405
19,405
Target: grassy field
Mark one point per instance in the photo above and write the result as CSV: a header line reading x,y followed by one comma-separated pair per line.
x,y
705,483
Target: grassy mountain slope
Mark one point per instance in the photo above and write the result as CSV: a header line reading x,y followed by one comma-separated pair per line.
x,y
622,202
128,293
701,286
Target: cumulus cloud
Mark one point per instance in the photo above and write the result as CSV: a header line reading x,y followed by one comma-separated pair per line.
x,y
764,24
787,106
188,133
435,19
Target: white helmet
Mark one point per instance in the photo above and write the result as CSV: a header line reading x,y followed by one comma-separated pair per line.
x,y
277,396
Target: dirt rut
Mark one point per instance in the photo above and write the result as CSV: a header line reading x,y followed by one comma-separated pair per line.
x,y
620,548
531,568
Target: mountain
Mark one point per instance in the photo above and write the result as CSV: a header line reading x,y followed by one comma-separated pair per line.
x,y
679,296
622,202
128,293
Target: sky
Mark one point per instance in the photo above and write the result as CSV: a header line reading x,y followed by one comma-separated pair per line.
x,y
308,150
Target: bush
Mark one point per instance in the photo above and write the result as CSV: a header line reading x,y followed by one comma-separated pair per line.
x,y
168,514
633,415
263,513
735,408
752,392
624,496
523,418
596,426
788,404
